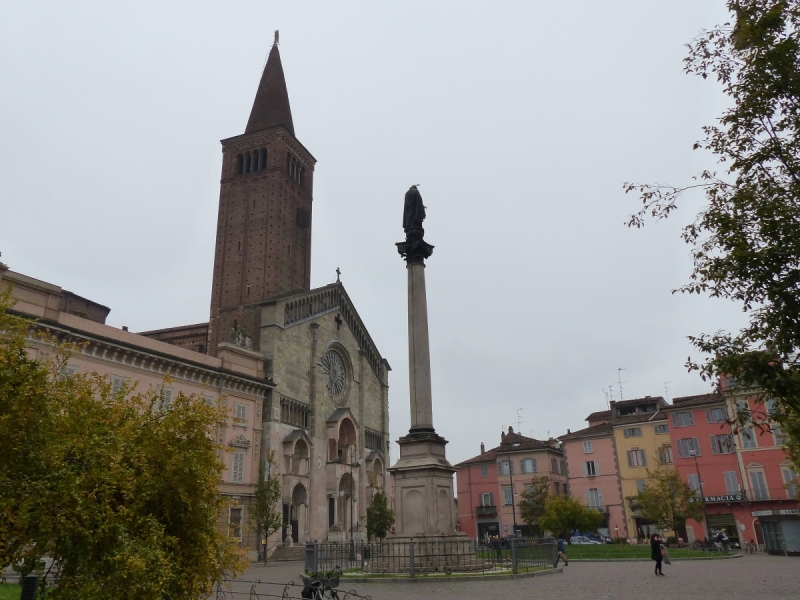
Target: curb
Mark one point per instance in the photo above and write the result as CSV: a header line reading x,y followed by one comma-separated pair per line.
x,y
449,579
676,559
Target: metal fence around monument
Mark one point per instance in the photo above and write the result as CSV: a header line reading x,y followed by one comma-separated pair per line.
x,y
415,558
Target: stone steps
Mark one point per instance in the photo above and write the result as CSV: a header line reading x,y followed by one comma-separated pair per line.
x,y
287,553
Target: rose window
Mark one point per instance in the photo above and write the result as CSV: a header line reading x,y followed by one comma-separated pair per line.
x,y
333,374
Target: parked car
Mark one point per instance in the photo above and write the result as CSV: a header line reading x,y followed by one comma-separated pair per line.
x,y
581,539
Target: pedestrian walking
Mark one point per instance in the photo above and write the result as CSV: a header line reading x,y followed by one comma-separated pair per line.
x,y
562,550
655,552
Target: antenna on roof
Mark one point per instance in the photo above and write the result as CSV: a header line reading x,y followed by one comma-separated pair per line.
x,y
611,390
619,380
519,420
608,406
666,389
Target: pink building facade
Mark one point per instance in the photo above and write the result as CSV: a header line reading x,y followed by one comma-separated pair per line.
x,y
233,379
594,473
743,478
490,485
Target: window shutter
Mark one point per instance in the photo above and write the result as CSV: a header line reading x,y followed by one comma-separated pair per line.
x,y
691,417
643,456
625,433
600,497
630,458
584,470
586,496
596,467
675,419
491,499
696,446
708,416
714,445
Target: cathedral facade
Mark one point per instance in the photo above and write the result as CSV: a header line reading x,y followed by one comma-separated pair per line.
x,y
326,415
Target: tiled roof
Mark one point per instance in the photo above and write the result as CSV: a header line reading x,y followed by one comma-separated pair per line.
x,y
600,414
593,431
512,442
489,456
697,400
640,418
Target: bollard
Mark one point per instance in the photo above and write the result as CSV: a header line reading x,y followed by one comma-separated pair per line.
x,y
29,586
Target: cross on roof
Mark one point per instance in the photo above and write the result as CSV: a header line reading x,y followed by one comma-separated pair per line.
x,y
338,273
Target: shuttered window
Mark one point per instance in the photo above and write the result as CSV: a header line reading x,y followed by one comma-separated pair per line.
x,y
117,383
682,419
637,458
790,481
594,498
590,468
688,447
731,482
722,444
759,483
716,415
237,467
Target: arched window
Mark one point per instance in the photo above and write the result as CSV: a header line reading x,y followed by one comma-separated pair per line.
x,y
240,161
247,163
263,161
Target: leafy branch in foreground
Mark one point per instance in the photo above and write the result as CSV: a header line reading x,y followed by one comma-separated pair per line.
x,y
746,240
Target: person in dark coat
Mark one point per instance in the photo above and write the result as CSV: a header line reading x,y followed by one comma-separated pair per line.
x,y
655,552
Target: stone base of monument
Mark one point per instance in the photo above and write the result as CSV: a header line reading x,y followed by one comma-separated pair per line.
x,y
425,531
423,486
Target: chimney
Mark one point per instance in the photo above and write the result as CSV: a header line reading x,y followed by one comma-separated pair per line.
x,y
124,328
483,448
567,431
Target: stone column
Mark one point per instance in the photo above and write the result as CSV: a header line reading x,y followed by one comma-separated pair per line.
x,y
419,354
422,475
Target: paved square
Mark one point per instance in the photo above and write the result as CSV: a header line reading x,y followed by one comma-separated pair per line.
x,y
752,576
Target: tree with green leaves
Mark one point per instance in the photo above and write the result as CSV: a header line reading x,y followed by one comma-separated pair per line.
x,y
534,498
564,514
121,494
266,515
668,501
380,517
746,239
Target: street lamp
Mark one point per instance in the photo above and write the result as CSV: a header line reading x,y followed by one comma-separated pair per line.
x,y
513,508
693,454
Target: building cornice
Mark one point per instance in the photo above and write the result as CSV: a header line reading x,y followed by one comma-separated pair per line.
x,y
154,363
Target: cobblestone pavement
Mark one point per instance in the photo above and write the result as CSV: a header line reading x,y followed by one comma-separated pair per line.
x,y
752,576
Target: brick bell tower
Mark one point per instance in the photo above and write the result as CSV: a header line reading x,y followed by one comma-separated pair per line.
x,y
263,245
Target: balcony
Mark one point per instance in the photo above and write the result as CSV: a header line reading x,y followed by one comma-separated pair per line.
x,y
486,511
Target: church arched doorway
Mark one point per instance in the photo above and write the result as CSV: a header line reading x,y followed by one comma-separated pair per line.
x,y
298,513
346,506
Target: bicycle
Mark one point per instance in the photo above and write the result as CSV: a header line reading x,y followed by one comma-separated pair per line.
x,y
321,585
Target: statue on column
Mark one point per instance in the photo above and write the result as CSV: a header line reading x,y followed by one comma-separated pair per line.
x,y
414,249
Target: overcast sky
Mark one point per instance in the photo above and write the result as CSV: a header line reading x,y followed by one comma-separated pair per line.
x,y
520,121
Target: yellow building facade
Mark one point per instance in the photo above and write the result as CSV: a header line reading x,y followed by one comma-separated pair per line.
x,y
641,436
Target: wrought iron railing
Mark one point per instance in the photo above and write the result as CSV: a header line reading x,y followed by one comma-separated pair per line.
x,y
414,557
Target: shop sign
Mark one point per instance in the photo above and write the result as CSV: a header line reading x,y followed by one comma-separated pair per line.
x,y
789,511
728,498
761,513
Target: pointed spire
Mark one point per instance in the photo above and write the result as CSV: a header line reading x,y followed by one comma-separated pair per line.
x,y
271,106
